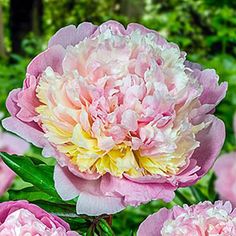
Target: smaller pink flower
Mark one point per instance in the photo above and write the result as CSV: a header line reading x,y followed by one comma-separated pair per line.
x,y
21,218
12,145
197,220
225,170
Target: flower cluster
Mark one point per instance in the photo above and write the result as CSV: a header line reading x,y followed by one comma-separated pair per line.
x,y
21,218
126,116
202,219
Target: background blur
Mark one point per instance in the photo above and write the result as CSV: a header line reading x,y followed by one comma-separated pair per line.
x,y
206,30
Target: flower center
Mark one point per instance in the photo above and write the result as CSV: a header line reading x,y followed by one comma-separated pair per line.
x,y
121,106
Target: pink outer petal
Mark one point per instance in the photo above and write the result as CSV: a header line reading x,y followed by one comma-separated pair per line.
x,y
91,200
52,57
211,141
11,102
27,132
153,224
27,101
70,35
136,193
97,205
7,208
212,92
21,103
118,192
65,183
70,186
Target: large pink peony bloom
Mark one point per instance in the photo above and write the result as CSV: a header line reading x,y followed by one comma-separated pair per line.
x,y
12,145
21,218
197,220
225,169
128,119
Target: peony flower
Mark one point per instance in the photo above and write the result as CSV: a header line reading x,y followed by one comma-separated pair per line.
x,y
13,145
225,170
126,116
21,218
197,220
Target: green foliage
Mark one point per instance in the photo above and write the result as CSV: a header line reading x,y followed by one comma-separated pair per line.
x,y
11,77
40,176
199,27
77,11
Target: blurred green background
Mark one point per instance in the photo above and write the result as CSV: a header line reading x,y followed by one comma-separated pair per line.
x,y
206,30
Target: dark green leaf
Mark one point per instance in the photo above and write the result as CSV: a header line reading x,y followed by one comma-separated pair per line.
x,y
106,228
182,198
30,194
197,193
40,176
60,209
90,231
211,188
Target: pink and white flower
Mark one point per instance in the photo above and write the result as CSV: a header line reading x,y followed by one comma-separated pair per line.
x,y
12,145
126,116
21,218
197,220
225,170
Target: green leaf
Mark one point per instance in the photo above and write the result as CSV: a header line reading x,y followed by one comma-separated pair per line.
x,y
61,209
41,176
30,194
211,188
90,231
78,224
105,228
182,198
197,193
